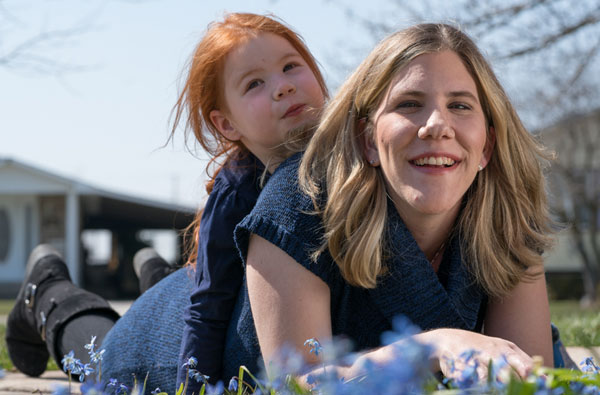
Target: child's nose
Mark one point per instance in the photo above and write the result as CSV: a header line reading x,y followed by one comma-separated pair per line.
x,y
283,89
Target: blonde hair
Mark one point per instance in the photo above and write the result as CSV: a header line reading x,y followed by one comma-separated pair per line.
x,y
203,92
504,224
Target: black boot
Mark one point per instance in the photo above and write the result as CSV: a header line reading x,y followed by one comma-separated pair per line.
x,y
150,268
47,299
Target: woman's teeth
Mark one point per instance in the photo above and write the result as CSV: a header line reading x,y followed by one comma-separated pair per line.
x,y
433,161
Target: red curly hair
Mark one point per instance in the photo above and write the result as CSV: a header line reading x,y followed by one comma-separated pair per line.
x,y
203,92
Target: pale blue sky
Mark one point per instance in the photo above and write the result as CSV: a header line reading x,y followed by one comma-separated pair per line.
x,y
105,125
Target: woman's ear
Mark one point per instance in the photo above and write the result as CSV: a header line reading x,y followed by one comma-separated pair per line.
x,y
489,147
224,126
367,144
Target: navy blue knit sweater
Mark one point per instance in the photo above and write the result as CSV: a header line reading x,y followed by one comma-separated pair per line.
x,y
411,287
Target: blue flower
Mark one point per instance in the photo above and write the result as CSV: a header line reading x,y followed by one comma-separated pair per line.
x,y
87,369
112,383
96,357
76,367
315,346
196,375
61,390
92,388
156,391
68,361
233,385
589,366
191,363
215,389
122,389
91,345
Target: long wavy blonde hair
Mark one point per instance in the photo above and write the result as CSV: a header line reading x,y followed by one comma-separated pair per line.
x,y
504,224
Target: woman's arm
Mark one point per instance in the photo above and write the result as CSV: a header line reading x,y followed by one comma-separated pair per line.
x,y
523,317
289,303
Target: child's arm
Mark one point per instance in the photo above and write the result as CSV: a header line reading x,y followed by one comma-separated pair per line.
x,y
219,274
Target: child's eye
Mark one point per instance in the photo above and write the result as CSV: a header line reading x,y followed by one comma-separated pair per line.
x,y
253,84
289,66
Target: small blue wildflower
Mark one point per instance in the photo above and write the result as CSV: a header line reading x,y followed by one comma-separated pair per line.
x,y
112,383
96,357
76,367
91,388
87,369
315,346
233,385
61,390
196,375
91,345
468,377
122,389
589,366
216,389
191,363
68,361
310,379
468,355
156,391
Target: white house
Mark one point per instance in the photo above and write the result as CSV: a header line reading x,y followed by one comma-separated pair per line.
x,y
37,206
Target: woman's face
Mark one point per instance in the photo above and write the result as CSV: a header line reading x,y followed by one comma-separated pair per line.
x,y
429,136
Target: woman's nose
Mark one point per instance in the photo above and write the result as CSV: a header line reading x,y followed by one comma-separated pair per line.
x,y
436,126
283,88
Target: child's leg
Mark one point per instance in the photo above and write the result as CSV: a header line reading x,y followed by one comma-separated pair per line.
x,y
47,311
150,268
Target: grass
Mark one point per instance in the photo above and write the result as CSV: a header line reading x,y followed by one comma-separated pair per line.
x,y
578,327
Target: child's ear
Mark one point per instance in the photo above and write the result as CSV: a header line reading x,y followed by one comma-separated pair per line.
x,y
224,126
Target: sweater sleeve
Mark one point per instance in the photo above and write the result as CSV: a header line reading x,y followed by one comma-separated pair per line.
x,y
219,274
284,216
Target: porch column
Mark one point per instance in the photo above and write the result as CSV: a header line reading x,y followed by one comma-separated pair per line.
x,y
72,235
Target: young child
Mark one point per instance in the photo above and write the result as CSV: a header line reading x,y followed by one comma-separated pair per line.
x,y
250,82
252,86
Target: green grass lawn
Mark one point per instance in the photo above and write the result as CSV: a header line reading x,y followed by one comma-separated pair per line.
x,y
577,327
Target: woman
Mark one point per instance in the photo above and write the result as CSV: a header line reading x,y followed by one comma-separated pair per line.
x,y
420,194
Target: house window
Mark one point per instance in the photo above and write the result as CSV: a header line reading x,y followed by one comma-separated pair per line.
x,y
4,235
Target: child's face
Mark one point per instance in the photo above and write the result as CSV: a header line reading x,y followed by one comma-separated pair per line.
x,y
269,89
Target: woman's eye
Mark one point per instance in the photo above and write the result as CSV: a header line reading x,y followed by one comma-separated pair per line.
x,y
288,67
460,106
408,104
253,84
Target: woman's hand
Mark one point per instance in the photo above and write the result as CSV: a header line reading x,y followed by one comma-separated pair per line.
x,y
450,344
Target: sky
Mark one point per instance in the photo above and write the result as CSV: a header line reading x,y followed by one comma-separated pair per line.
x,y
104,118
102,115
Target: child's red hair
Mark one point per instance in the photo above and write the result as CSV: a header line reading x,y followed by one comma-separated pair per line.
x,y
203,92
